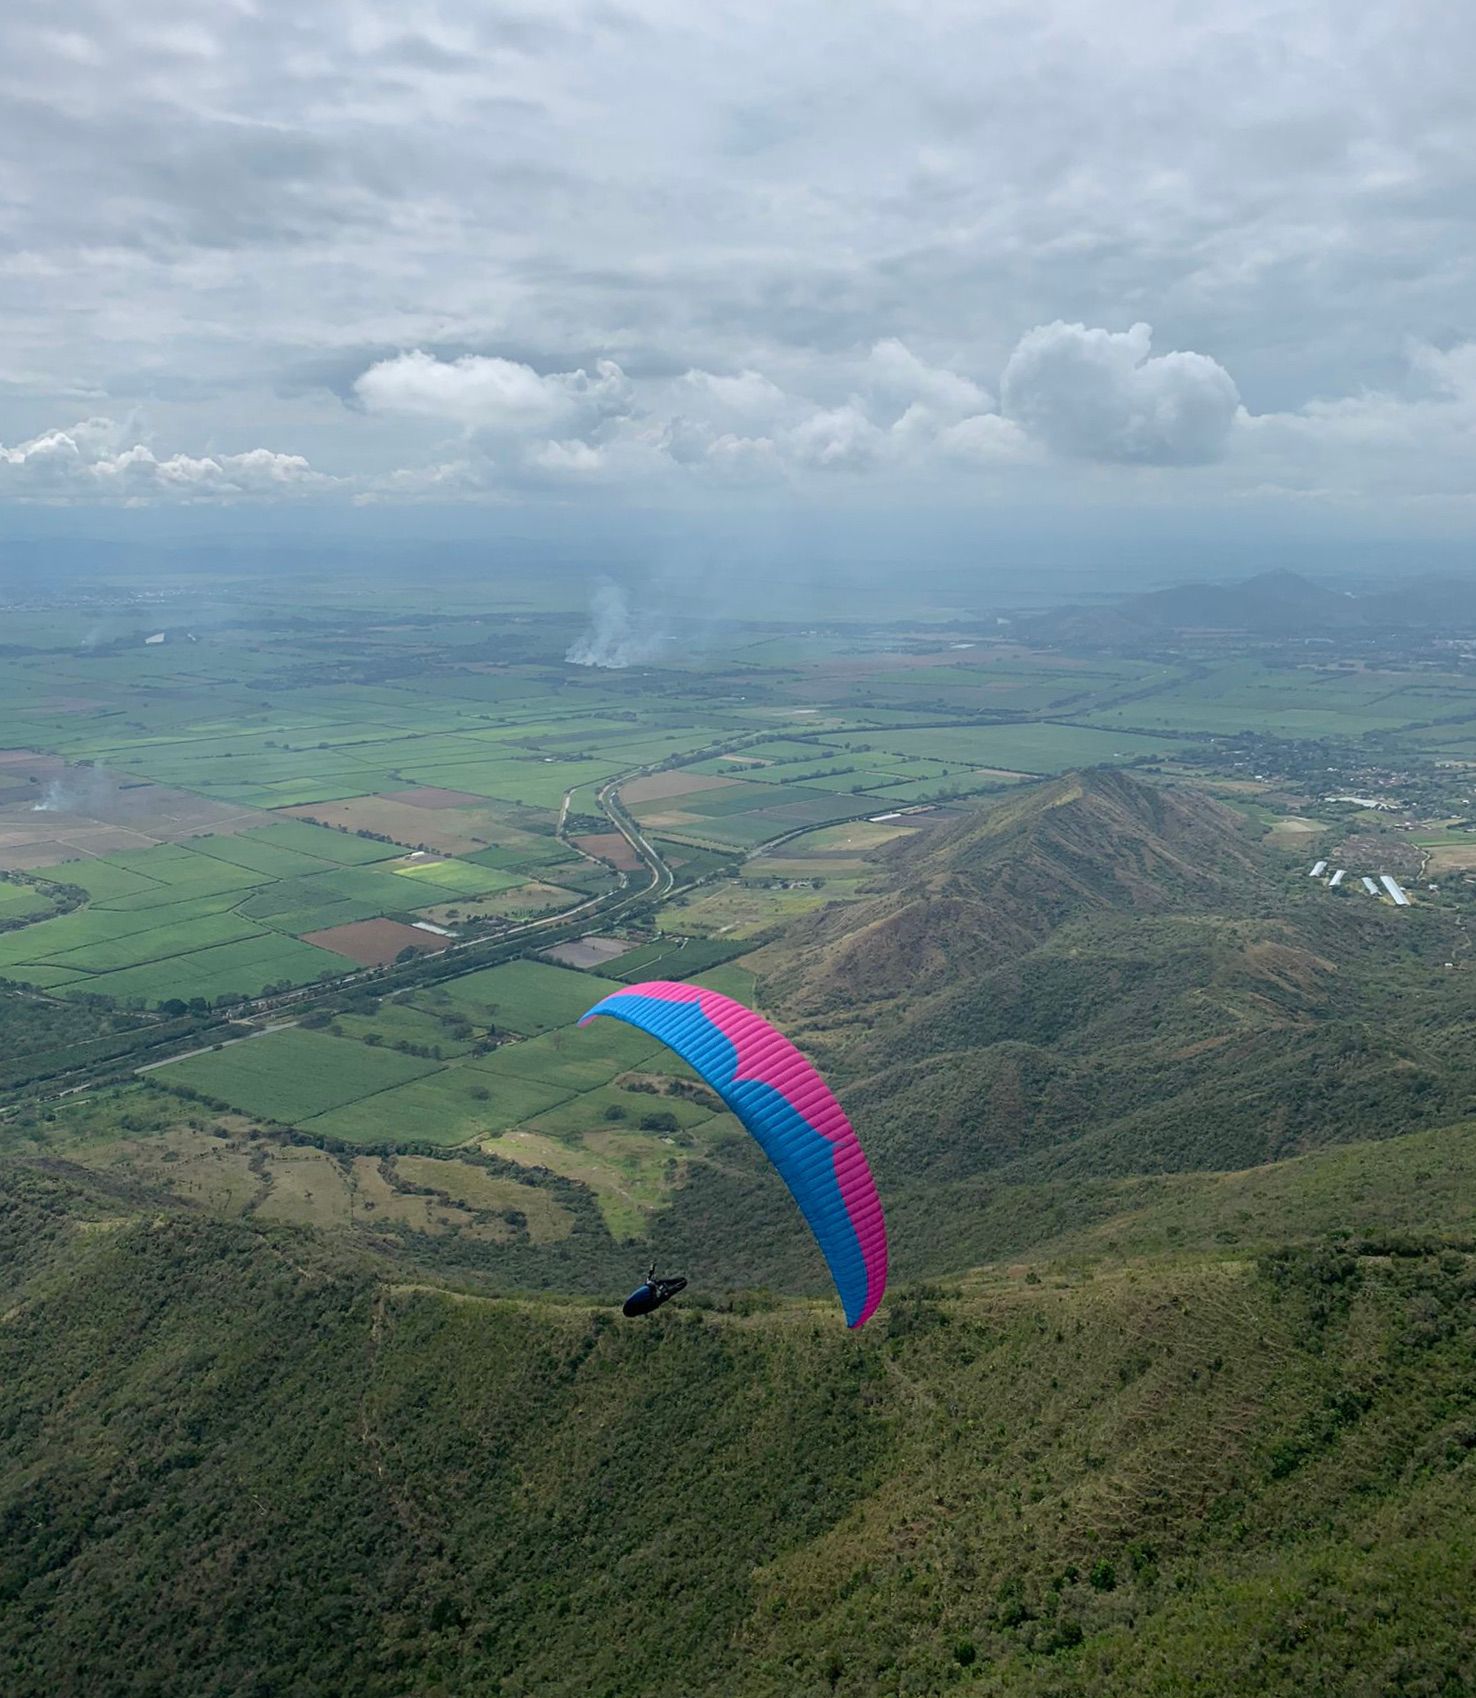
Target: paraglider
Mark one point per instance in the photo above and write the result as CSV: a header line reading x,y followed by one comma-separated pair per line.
x,y
651,1294
791,1113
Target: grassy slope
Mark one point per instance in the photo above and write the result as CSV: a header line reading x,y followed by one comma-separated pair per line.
x,y
1101,978
232,1464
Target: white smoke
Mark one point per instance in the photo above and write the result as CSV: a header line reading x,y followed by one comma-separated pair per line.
x,y
79,790
615,638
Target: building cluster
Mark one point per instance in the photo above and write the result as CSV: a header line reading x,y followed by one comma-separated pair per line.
x,y
1392,886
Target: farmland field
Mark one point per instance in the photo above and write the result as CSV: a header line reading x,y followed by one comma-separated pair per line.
x,y
288,1076
448,1106
743,908
523,996
1305,701
669,957
375,943
1017,748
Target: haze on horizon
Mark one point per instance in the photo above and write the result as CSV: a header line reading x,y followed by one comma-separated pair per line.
x,y
1026,267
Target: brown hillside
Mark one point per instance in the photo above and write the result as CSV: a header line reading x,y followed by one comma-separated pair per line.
x,y
997,884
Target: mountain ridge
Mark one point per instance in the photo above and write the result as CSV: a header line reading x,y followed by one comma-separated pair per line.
x,y
1276,603
1118,978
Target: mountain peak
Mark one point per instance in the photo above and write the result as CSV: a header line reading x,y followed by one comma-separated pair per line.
x,y
1000,881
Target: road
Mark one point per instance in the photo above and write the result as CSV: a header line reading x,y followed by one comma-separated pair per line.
x,y
599,910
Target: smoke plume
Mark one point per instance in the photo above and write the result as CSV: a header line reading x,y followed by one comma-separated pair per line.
x,y
615,638
80,789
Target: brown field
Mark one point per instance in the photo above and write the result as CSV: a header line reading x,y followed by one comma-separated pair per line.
x,y
1451,858
307,1188
28,761
587,951
449,831
44,852
99,813
375,943
661,784
432,796
531,898
610,846
672,818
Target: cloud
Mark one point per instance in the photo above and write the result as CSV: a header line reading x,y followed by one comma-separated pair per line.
x,y
837,231
1072,391
749,394
1378,447
87,461
835,439
987,439
579,458
1070,394
1102,395
896,374
482,392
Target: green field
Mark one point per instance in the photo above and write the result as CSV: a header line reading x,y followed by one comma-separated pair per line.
x,y
22,902
456,878
522,996
395,1022
446,1107
582,1059
1018,748
673,957
338,847
292,1075
256,851
1308,700
178,939
230,970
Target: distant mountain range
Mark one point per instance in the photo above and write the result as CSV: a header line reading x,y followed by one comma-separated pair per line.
x,y
1271,604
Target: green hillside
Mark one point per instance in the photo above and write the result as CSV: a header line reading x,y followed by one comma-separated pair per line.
x,y
232,1462
1107,977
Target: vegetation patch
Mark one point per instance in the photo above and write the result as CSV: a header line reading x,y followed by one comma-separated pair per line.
x,y
449,1106
523,996
291,1075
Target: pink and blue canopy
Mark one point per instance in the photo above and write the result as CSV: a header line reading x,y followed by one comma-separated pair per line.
x,y
789,1109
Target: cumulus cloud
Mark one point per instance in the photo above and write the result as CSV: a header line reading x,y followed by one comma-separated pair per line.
x,y
484,392
574,456
835,439
986,439
897,375
1103,395
749,394
1069,393
1069,390
89,461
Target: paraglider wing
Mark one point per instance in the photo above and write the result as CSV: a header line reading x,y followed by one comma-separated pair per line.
x,y
790,1111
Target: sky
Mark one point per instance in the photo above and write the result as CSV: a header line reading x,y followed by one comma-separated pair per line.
x,y
1189,266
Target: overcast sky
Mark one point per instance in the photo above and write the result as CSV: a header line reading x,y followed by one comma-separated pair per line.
x,y
641,253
